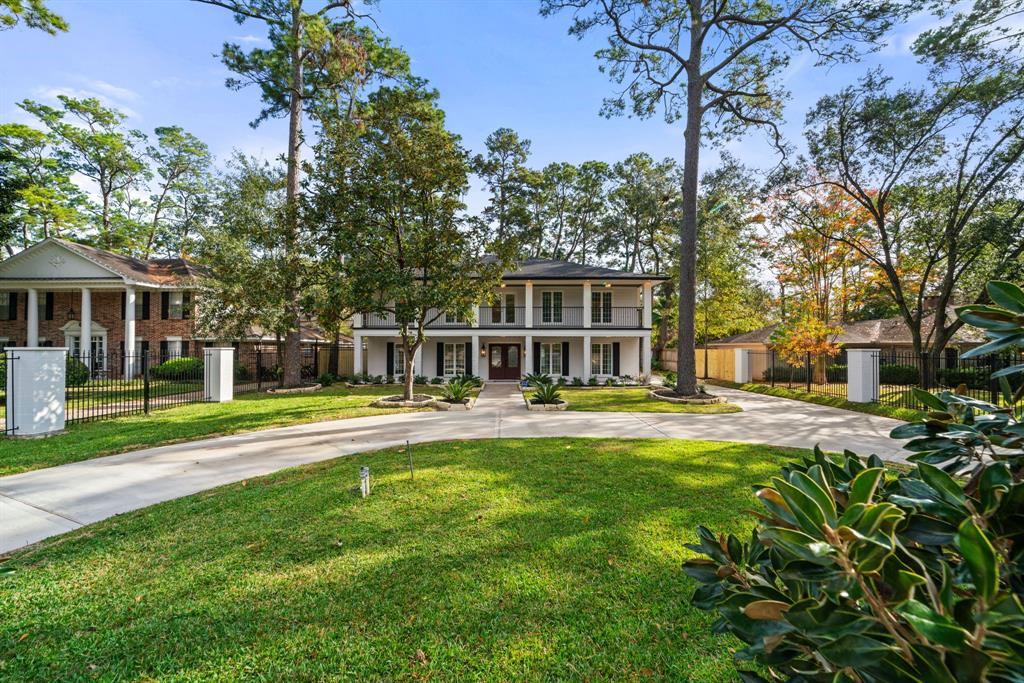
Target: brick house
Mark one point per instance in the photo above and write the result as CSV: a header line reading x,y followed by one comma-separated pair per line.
x,y
56,293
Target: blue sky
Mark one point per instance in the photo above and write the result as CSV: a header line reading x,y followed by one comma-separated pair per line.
x,y
496,63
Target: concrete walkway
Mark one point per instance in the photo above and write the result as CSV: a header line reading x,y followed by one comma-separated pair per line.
x,y
43,503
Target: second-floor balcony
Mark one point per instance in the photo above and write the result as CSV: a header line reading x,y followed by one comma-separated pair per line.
x,y
543,317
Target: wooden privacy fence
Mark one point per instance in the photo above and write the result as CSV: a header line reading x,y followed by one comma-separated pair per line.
x,y
721,363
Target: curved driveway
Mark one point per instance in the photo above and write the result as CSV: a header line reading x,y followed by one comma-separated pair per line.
x,y
36,505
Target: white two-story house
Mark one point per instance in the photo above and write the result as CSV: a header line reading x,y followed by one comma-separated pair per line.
x,y
552,317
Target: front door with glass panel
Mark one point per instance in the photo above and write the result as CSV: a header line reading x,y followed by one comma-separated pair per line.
x,y
504,361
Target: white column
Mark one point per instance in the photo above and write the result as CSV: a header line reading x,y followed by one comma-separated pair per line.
x,y
357,354
529,304
474,362
586,306
527,360
357,320
645,357
35,390
85,341
417,362
218,374
862,375
32,318
742,370
129,333
648,305
586,345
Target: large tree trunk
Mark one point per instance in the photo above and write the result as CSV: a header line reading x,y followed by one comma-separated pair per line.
x,y
410,374
686,380
293,340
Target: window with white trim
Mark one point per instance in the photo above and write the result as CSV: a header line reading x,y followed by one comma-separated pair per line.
x,y
601,307
551,307
174,347
454,359
601,359
551,358
5,308
399,359
454,319
175,305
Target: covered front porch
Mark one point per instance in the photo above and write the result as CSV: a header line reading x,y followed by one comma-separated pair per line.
x,y
509,358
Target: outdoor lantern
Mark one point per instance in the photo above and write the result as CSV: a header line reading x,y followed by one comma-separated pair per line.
x,y
607,284
71,314
483,350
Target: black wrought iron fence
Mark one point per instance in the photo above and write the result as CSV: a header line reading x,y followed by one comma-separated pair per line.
x,y
900,372
816,374
100,386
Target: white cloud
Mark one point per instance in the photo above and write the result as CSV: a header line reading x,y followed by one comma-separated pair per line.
x,y
113,91
247,39
51,93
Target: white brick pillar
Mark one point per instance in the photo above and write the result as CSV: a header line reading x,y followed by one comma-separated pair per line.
x,y
648,305
742,369
35,390
586,309
219,374
32,317
474,362
357,354
529,304
130,360
862,375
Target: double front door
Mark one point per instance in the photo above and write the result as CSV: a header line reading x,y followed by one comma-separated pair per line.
x,y
504,361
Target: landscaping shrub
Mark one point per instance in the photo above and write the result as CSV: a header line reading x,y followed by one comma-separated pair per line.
x,y
419,379
853,575
473,380
378,379
561,381
577,382
76,373
670,378
537,379
547,394
973,378
899,373
437,380
178,369
592,381
325,379
786,373
241,372
390,379
836,373
457,390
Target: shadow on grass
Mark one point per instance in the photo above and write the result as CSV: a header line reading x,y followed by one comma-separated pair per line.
x,y
514,560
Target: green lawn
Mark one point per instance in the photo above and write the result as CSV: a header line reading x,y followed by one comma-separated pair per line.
x,y
512,560
632,399
905,414
248,412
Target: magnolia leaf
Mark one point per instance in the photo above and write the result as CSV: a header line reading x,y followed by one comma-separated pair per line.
x,y
980,557
863,486
1007,295
766,610
933,626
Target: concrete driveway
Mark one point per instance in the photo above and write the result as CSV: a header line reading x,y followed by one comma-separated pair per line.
x,y
37,505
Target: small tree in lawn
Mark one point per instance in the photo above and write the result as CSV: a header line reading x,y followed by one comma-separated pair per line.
x,y
807,335
389,195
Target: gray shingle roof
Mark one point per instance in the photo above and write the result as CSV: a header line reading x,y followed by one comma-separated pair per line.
x,y
551,269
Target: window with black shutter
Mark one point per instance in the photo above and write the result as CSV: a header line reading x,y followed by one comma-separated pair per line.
x,y
48,309
165,305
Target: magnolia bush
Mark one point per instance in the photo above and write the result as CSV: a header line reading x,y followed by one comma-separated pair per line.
x,y
856,572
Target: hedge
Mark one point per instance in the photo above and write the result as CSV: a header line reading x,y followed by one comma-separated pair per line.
x,y
974,378
76,373
178,369
899,373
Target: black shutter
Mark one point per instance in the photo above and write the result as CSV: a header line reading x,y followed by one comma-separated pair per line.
x,y
536,358
440,359
48,314
124,300
565,358
615,358
184,348
163,351
145,305
186,305
390,363
165,305
469,358
12,306
144,346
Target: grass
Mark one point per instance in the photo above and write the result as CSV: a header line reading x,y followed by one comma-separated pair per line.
x,y
524,560
248,412
632,399
905,414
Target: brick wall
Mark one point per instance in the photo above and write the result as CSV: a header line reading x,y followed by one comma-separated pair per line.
x,y
106,311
